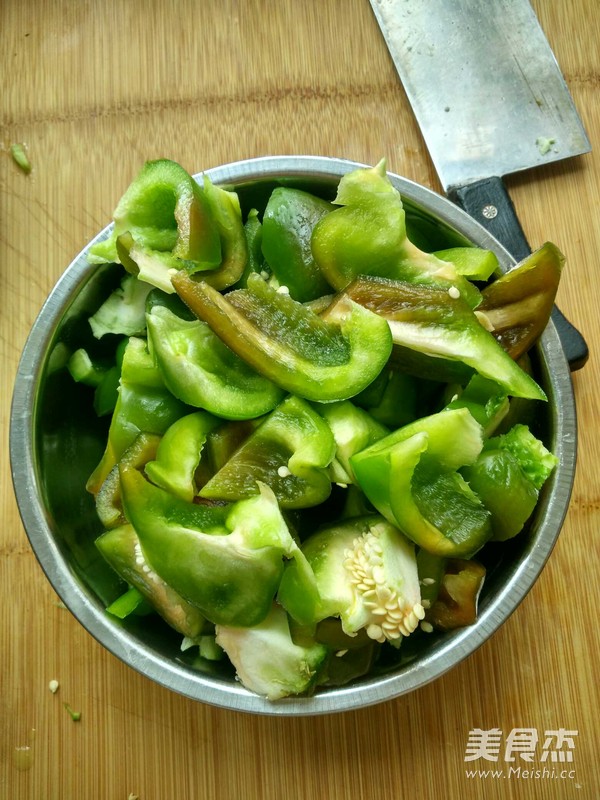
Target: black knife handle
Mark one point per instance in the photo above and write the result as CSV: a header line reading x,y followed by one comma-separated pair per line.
x,y
488,202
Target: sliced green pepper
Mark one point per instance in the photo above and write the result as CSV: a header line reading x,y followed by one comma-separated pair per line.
x,y
166,221
146,266
108,500
536,461
472,262
124,311
225,208
353,429
256,261
202,371
128,603
121,548
504,489
518,305
366,574
178,454
331,633
348,664
109,506
431,570
325,359
395,402
456,604
486,401
222,442
290,451
20,157
268,661
508,475
84,369
411,478
144,405
107,392
225,560
288,222
166,211
367,236
436,324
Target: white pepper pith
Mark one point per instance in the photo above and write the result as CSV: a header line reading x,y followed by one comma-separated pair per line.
x,y
391,614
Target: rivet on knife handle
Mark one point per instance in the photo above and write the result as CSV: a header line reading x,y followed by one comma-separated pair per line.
x,y
488,202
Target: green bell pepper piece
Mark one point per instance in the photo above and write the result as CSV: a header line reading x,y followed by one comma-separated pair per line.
x,y
366,574
107,392
353,429
170,301
438,325
290,451
178,454
367,236
208,648
164,210
348,664
202,371
504,489
268,661
222,442
330,632
144,404
326,358
124,311
431,569
128,603
166,221
256,261
456,603
486,401
518,305
411,478
288,222
225,560
84,369
474,263
108,500
536,461
508,475
98,374
397,401
225,208
152,268
20,157
109,506
448,503
121,548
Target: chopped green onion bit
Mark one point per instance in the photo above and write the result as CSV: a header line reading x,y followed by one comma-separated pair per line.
x,y
19,156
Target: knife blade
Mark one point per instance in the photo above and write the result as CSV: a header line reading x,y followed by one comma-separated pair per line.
x,y
490,100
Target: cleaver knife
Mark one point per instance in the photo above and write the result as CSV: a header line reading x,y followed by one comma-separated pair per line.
x,y
490,100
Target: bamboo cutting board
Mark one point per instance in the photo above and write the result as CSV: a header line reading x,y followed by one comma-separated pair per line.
x,y
94,89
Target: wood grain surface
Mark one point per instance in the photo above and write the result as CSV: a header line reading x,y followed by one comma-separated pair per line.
x,y
94,89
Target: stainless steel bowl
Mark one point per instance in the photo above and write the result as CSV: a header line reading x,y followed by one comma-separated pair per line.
x,y
55,443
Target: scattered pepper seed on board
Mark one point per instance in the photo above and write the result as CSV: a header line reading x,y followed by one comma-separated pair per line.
x,y
53,686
